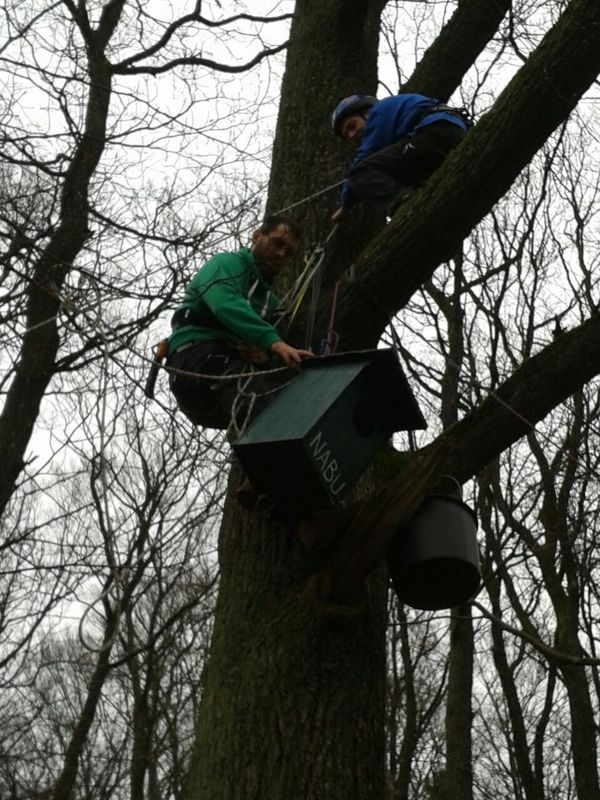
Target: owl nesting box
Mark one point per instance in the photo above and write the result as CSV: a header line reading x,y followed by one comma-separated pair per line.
x,y
316,438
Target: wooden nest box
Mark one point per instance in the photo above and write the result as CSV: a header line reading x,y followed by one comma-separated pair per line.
x,y
308,447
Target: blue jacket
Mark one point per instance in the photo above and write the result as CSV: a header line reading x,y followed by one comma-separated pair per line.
x,y
395,118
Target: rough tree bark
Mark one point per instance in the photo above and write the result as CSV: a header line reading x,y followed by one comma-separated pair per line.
x,y
405,254
293,699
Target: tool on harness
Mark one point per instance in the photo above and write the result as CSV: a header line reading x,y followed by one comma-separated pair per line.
x,y
159,351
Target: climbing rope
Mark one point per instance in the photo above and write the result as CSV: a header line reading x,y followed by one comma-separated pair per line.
x,y
237,411
310,276
311,273
309,198
330,343
246,397
97,324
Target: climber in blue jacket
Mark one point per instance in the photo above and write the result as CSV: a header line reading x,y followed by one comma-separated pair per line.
x,y
401,141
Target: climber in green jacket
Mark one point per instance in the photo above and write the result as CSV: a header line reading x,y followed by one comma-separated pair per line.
x,y
222,326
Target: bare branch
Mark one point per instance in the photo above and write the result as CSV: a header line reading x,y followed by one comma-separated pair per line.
x,y
180,23
198,61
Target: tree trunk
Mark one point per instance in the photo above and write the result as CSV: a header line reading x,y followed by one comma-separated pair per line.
x,y
454,51
524,772
410,732
36,366
457,778
559,487
293,704
66,781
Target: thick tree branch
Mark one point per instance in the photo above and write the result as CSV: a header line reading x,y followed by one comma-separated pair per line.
x,y
539,385
544,381
474,177
454,51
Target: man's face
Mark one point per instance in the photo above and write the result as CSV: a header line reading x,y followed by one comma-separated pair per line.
x,y
352,127
272,250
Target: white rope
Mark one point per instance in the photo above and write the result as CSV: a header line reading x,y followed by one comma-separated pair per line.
x,y
244,393
206,376
310,197
236,408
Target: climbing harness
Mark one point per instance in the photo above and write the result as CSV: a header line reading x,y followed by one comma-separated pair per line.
x,y
457,111
246,395
311,274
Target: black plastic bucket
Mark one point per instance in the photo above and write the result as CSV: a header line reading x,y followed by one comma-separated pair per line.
x,y
434,561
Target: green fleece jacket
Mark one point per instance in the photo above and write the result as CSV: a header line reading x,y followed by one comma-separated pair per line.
x,y
231,299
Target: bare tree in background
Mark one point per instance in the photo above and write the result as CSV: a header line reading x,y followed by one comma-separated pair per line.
x,y
292,702
109,200
112,703
70,187
513,298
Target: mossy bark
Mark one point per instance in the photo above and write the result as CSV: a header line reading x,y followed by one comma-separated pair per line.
x,y
429,229
293,701
293,704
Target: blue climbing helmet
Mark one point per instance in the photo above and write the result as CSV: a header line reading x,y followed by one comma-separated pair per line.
x,y
355,104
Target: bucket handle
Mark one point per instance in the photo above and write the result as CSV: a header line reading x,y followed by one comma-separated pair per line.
x,y
457,492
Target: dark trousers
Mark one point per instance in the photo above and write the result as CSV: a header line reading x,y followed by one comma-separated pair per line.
x,y
386,177
213,403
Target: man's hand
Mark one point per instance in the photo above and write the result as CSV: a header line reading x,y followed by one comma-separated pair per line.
x,y
339,214
290,356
